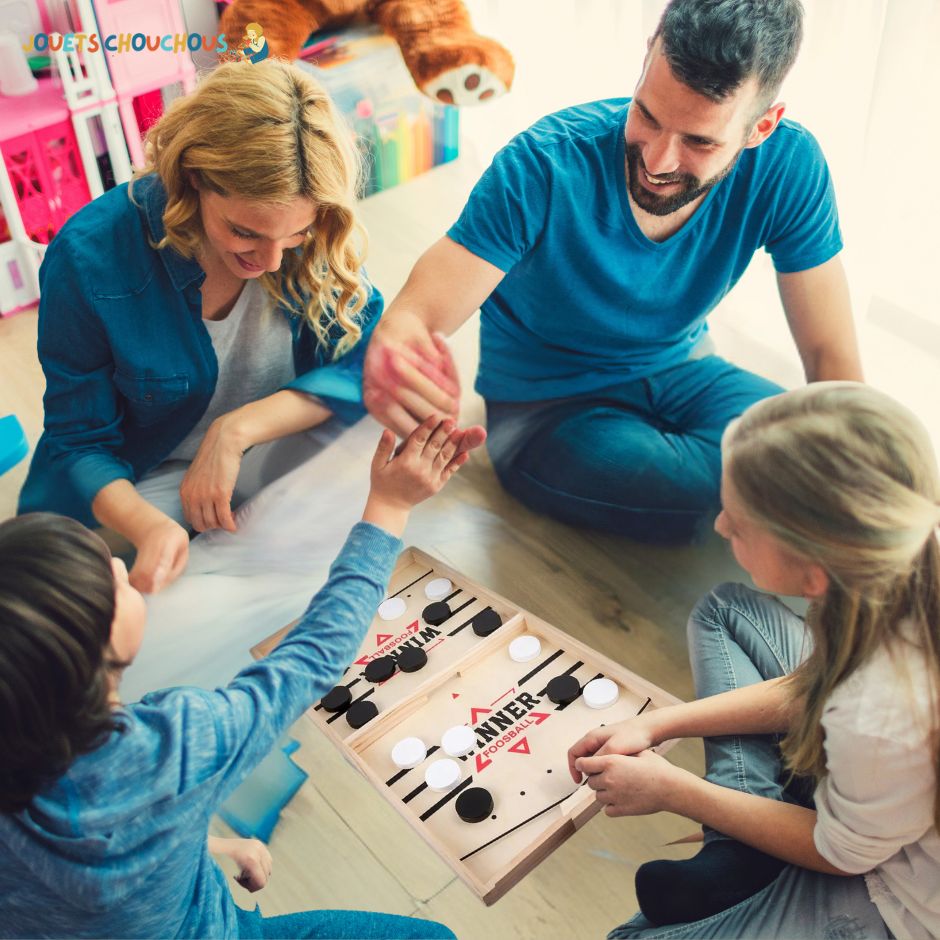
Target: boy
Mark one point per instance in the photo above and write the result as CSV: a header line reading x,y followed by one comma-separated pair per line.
x,y
104,808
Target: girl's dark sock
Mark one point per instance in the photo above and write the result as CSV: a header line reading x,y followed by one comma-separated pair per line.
x,y
723,874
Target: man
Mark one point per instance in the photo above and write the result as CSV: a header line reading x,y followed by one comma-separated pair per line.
x,y
596,244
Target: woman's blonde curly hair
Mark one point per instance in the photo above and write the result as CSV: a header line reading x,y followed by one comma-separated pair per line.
x,y
269,132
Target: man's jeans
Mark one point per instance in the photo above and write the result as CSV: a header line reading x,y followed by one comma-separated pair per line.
x,y
641,459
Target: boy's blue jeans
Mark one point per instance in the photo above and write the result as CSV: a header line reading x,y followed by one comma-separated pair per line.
x,y
641,459
738,637
339,925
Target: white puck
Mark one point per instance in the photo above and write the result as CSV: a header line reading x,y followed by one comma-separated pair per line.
x,y
443,775
601,693
391,609
408,753
458,741
525,648
438,589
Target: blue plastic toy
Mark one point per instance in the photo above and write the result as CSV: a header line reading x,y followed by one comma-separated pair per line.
x,y
13,444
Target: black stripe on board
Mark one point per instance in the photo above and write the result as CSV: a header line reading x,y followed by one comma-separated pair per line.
x,y
540,667
416,580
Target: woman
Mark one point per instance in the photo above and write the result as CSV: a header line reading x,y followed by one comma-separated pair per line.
x,y
216,303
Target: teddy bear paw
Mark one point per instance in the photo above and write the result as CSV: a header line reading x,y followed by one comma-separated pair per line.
x,y
465,85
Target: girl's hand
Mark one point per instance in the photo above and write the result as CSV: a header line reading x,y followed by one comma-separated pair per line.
x,y
207,487
162,553
634,785
252,857
401,479
625,737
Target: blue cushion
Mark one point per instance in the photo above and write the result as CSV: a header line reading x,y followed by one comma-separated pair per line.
x,y
254,808
13,445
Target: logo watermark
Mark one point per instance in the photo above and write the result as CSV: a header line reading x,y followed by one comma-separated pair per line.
x,y
128,42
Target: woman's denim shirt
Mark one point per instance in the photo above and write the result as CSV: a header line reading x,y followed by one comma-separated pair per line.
x,y
129,364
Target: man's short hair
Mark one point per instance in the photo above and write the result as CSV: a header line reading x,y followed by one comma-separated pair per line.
x,y
713,46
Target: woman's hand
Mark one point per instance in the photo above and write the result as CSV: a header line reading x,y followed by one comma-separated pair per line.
x,y
401,479
252,857
207,488
633,785
162,553
624,737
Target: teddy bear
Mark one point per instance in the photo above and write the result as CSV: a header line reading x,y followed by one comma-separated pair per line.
x,y
448,60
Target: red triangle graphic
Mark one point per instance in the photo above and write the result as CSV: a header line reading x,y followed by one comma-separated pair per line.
x,y
476,712
381,638
482,762
521,747
454,695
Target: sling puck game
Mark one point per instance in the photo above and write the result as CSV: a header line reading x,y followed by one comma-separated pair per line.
x,y
460,709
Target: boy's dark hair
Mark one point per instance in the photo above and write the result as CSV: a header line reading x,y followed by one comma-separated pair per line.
x,y
714,45
56,608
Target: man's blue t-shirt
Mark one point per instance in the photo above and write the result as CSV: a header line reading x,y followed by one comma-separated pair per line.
x,y
588,300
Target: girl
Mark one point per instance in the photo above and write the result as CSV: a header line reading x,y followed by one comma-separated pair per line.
x,y
216,303
830,492
104,808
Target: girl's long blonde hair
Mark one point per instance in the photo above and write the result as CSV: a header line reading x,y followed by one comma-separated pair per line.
x,y
269,132
846,477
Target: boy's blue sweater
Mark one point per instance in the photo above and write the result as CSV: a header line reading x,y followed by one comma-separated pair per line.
x,y
118,846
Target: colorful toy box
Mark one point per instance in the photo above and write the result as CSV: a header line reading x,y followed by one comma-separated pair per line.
x,y
402,132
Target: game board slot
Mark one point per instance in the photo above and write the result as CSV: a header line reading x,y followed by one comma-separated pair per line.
x,y
363,739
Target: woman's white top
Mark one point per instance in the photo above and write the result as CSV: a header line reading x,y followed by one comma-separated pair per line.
x,y
255,354
876,806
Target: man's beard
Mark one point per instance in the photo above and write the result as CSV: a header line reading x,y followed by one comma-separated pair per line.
x,y
692,186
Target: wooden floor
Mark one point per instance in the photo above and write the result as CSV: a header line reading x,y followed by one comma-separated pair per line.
x,y
338,844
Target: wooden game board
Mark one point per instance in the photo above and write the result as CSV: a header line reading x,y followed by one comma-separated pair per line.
x,y
522,736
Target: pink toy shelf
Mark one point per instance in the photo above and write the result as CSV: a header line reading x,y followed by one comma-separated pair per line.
x,y
40,152
137,75
43,184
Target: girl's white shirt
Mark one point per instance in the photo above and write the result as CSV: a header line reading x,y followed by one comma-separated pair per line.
x,y
876,806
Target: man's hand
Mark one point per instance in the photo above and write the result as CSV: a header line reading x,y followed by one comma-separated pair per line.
x,y
409,374
625,737
401,479
634,785
251,856
162,553
207,488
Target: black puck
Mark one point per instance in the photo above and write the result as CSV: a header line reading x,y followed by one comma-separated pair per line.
x,y
380,669
336,699
412,658
360,713
474,805
486,622
435,614
563,690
